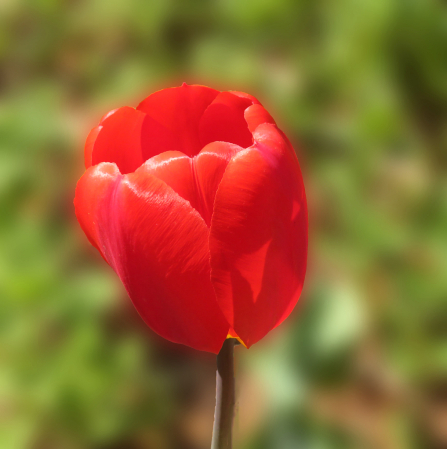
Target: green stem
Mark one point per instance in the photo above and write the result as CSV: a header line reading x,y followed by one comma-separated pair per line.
x,y
225,398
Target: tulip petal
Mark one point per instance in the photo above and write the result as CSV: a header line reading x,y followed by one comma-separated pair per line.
x,y
224,121
253,99
89,143
256,115
174,168
120,139
158,245
209,167
92,189
195,179
173,116
258,238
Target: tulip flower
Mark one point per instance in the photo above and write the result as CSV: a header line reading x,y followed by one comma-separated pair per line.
x,y
195,198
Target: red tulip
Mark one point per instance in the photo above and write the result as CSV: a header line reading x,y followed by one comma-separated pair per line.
x,y
196,200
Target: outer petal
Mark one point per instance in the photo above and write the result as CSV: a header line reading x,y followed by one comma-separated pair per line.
x,y
158,245
119,139
93,189
173,117
258,238
209,167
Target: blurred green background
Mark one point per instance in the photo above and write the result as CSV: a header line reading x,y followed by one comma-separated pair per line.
x,y
360,87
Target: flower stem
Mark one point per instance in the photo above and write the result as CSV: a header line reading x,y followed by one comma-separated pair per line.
x,y
225,398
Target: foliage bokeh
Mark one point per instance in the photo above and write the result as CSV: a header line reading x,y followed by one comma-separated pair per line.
x,y
360,88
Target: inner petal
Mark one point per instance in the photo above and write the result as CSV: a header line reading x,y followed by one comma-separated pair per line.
x,y
172,119
117,139
224,121
187,118
182,119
